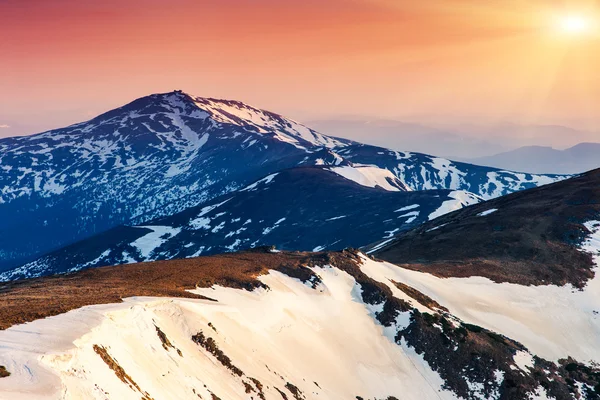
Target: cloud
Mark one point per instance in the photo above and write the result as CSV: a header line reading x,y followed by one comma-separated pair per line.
x,y
4,126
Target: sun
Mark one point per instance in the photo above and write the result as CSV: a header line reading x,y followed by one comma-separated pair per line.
x,y
575,24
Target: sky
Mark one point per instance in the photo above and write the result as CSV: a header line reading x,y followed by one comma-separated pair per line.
x,y
434,62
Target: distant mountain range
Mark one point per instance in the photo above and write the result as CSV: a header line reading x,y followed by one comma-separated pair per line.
x,y
539,159
164,153
410,136
457,141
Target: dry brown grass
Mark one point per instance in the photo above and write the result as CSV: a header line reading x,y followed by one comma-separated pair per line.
x,y
420,297
119,371
532,239
31,299
210,345
166,343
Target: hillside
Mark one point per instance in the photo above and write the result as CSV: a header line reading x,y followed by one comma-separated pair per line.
x,y
263,324
529,238
525,265
304,208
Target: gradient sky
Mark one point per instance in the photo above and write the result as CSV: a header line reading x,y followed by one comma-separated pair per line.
x,y
438,61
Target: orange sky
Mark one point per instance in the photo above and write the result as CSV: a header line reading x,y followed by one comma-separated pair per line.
x,y
62,61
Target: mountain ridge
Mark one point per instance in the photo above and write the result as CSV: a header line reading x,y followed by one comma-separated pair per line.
x,y
163,153
577,159
524,265
304,208
504,233
234,316
147,135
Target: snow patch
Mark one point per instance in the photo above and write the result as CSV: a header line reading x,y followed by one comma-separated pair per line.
x,y
266,180
459,199
380,246
336,218
407,208
266,231
153,240
487,212
523,361
370,176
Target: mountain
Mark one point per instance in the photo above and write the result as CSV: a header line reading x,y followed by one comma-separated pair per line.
x,y
152,157
524,265
519,135
164,153
541,227
538,159
423,172
303,208
458,141
264,325
447,141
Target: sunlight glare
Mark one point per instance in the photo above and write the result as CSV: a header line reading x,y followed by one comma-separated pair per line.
x,y
575,24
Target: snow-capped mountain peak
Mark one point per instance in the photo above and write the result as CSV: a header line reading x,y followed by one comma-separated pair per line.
x,y
164,153
265,122
179,106
149,158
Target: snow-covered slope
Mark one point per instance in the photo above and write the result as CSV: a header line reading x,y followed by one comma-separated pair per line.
x,y
285,338
371,177
555,322
339,330
166,152
265,122
458,199
423,172
304,208
525,265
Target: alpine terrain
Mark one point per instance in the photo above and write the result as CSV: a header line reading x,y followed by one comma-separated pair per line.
x,y
167,154
179,247
524,265
303,208
191,248
499,307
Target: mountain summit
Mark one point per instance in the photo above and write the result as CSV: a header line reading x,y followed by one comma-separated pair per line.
x,y
164,153
146,159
